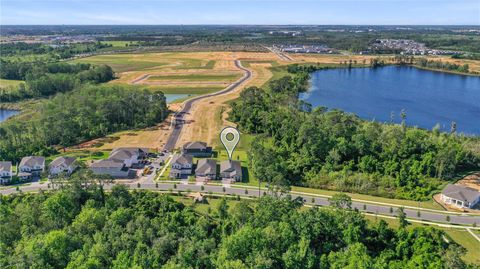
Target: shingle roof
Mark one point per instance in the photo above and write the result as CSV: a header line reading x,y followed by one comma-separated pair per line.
x,y
195,145
182,159
206,166
126,153
32,161
231,166
6,166
107,163
461,193
66,160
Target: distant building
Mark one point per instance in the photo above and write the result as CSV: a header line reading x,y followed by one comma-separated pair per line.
x,y
64,164
460,196
113,168
206,170
31,167
231,171
129,156
197,149
5,172
181,166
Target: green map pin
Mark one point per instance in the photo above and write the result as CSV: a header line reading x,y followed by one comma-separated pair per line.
x,y
230,137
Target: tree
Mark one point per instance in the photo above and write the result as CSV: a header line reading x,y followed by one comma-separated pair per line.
x,y
402,217
341,200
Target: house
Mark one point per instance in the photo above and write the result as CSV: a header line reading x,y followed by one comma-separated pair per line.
x,y
113,168
5,172
206,170
231,171
181,166
197,149
31,167
129,156
460,196
65,165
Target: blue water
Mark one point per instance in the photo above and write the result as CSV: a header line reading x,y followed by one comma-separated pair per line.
x,y
173,96
374,93
4,114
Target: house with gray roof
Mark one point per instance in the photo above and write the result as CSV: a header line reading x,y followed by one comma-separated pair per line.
x,y
62,165
197,149
129,156
460,196
231,171
113,168
6,173
181,166
206,170
31,167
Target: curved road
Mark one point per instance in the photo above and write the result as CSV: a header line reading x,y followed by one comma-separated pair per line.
x,y
309,199
179,118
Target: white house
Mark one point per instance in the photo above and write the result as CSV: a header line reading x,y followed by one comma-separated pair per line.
x,y
31,166
65,165
181,166
5,172
460,196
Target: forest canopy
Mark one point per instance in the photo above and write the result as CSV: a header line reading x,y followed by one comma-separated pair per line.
x,y
78,228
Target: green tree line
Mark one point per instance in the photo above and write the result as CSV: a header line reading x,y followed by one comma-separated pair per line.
x,y
298,145
87,228
46,79
86,113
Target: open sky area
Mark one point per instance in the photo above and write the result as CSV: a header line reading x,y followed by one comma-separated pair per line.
x,y
387,12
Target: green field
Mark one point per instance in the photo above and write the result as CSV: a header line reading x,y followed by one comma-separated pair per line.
x,y
120,44
122,62
7,83
196,77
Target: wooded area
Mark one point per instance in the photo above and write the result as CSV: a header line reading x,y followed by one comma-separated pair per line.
x,y
89,112
78,228
46,79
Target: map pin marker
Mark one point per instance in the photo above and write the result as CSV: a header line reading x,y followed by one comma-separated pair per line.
x,y
230,137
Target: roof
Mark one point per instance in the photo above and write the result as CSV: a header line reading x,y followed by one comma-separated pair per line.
x,y
107,163
231,166
195,145
126,153
182,159
461,193
63,160
32,161
206,166
6,166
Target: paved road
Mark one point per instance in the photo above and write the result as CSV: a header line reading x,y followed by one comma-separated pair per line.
x,y
425,215
180,116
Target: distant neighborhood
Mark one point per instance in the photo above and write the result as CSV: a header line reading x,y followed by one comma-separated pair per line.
x,y
305,49
407,47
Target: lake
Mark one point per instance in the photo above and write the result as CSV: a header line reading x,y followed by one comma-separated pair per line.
x,y
6,113
428,97
170,97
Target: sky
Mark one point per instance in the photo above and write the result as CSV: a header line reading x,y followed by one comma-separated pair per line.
x,y
172,12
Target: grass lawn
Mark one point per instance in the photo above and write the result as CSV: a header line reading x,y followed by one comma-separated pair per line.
x,y
196,77
429,204
7,83
467,240
81,155
123,62
120,44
